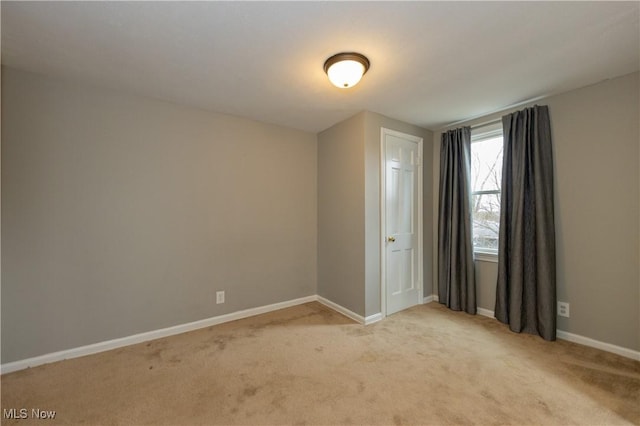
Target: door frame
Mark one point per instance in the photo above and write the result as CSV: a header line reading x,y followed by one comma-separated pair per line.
x,y
383,219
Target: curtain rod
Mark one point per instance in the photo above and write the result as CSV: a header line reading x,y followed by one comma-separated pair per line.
x,y
483,124
486,123
501,110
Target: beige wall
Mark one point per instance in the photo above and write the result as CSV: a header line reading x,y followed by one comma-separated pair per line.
x,y
341,230
597,190
122,215
349,210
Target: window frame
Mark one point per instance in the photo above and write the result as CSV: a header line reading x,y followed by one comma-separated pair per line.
x,y
479,134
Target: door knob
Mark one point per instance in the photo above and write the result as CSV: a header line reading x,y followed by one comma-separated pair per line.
x,y
391,239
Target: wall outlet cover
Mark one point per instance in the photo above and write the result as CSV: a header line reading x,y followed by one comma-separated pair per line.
x,y
563,309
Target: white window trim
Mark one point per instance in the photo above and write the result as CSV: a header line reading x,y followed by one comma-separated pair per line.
x,y
490,134
494,130
484,255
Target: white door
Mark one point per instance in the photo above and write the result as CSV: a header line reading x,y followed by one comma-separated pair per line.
x,y
402,220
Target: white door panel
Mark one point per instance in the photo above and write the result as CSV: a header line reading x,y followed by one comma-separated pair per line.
x,y
402,222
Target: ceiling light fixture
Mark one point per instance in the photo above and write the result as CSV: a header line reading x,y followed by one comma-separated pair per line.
x,y
346,69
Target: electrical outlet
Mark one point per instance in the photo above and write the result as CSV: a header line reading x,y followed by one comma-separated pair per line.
x,y
563,309
219,297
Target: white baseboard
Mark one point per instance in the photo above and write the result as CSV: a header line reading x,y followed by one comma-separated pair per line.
x,y
150,335
481,311
183,328
576,338
432,298
564,335
373,318
607,347
349,313
485,312
344,311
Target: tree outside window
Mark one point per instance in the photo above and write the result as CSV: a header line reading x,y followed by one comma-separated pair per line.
x,y
486,178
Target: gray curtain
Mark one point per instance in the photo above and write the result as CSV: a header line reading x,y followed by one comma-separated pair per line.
x,y
526,292
456,280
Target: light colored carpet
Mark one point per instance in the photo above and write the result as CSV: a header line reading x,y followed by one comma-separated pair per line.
x,y
310,365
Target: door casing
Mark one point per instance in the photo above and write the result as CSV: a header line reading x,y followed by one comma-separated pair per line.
x,y
383,222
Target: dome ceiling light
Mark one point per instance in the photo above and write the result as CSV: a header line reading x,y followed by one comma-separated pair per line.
x,y
346,69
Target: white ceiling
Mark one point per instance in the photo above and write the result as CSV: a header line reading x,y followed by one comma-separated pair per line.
x,y
432,63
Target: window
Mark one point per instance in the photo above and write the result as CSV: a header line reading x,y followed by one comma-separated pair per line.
x,y
486,178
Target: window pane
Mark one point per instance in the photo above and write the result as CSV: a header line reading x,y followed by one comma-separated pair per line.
x,y
486,220
486,164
